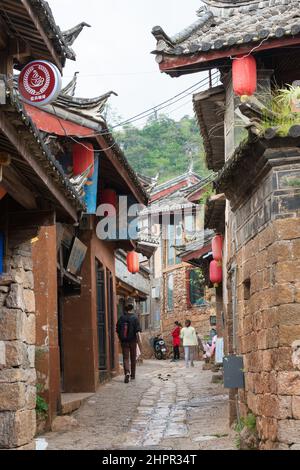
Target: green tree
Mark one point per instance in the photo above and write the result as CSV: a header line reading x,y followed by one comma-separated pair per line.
x,y
164,146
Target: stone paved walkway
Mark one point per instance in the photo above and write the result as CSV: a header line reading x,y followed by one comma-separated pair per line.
x,y
168,407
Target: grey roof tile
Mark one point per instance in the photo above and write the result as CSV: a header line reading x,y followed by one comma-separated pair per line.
x,y
226,23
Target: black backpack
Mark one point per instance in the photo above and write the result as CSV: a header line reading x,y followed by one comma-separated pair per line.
x,y
126,329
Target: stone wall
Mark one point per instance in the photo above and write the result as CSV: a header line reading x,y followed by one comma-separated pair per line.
x,y
17,352
200,316
268,301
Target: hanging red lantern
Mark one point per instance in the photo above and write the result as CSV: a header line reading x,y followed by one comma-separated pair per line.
x,y
217,247
3,192
83,158
215,273
133,262
244,75
109,196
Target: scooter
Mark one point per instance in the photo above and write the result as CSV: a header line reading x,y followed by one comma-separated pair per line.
x,y
160,348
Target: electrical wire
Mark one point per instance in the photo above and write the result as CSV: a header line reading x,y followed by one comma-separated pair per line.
x,y
77,141
147,113
157,107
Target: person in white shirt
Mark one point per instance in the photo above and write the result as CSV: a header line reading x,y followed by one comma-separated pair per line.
x,y
190,341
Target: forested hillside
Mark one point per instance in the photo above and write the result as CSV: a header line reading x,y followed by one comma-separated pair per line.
x,y
163,146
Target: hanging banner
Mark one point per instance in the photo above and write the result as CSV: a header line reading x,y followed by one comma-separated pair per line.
x,y
39,83
91,189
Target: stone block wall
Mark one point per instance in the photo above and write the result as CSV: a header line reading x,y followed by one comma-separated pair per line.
x,y
17,352
200,316
268,305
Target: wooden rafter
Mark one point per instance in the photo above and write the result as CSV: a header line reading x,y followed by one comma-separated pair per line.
x,y
44,36
20,144
171,63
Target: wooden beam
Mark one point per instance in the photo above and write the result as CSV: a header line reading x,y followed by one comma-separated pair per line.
x,y
21,147
6,65
19,49
22,235
172,63
12,183
3,36
31,219
44,36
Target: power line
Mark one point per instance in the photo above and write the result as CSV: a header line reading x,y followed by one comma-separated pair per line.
x,y
145,114
159,106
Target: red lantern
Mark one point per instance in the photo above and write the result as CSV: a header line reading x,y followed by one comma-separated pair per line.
x,y
2,192
83,157
215,273
109,196
244,75
217,247
133,262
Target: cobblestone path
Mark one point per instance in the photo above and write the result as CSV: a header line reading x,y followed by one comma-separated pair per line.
x,y
168,407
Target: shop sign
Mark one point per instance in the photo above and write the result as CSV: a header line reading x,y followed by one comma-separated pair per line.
x,y
40,83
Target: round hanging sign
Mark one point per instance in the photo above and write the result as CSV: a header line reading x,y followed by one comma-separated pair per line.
x,y
39,83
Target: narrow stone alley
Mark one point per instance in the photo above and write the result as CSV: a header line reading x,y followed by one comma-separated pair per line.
x,y
168,407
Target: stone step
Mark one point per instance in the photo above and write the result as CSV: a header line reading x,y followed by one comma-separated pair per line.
x,y
71,402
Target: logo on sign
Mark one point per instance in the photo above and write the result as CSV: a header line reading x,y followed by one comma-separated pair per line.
x,y
39,83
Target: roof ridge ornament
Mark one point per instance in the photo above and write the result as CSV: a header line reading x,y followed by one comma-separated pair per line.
x,y
72,34
70,88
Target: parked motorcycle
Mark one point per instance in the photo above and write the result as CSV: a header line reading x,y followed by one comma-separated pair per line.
x,y
160,348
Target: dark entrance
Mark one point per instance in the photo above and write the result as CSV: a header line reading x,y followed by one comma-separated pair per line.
x,y
101,316
111,320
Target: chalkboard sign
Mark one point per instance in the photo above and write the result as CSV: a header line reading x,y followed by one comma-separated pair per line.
x,y
234,372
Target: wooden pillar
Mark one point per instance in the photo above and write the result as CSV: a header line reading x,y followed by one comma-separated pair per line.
x,y
47,346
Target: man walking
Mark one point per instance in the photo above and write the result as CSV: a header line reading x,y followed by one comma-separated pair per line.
x,y
128,327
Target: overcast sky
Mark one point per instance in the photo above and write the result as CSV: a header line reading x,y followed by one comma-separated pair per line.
x,y
114,54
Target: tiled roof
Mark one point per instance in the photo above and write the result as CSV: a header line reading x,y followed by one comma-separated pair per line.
x,y
191,177
42,153
209,107
215,213
172,203
86,112
22,18
224,24
202,239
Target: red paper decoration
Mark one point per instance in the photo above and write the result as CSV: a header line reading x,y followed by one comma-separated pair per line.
x,y
244,75
109,196
215,272
217,247
133,262
83,157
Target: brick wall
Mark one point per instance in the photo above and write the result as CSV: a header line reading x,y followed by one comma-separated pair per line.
x,y
182,311
17,352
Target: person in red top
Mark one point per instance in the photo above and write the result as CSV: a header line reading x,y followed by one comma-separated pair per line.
x,y
176,341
